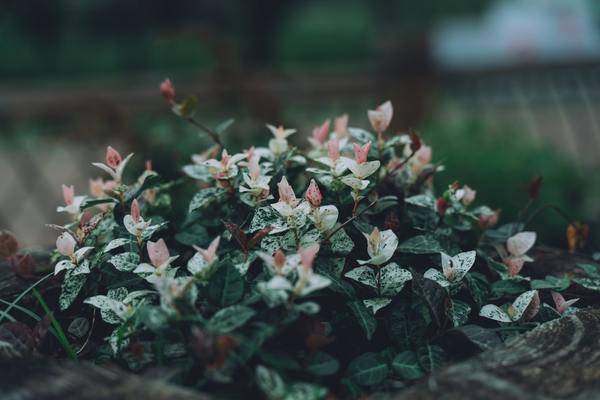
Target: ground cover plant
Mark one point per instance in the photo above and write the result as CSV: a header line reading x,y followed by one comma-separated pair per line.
x,y
291,274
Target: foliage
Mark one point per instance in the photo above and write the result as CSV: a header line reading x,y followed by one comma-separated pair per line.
x,y
348,289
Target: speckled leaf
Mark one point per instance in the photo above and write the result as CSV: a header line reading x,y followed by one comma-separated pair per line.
x,y
458,312
205,197
392,278
70,288
376,303
365,275
125,261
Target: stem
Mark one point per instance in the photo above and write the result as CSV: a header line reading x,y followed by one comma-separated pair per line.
x,y
554,207
333,232
212,134
4,314
62,338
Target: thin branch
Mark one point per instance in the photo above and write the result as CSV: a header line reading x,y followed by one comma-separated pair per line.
x,y
212,134
333,232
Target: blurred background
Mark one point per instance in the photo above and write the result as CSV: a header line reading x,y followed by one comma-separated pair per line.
x,y
502,89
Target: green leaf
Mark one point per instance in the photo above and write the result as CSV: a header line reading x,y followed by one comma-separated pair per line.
x,y
591,270
193,235
432,294
88,203
266,217
125,261
337,284
322,364
483,338
430,357
341,244
507,287
223,126
206,197
588,283
551,282
270,382
367,369
406,364
365,317
478,287
226,286
376,304
116,243
305,391
458,312
187,108
70,288
230,318
420,244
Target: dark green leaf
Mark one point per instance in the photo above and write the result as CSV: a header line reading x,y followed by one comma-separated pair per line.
x,y
226,286
433,295
481,337
479,287
367,369
420,244
322,364
407,365
365,317
551,282
430,357
230,318
458,312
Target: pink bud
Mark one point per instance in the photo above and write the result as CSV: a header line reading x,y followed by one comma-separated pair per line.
x,y
286,192
279,260
158,252
211,252
307,255
225,157
113,158
148,165
361,153
560,303
135,211
381,117
423,155
341,125
333,149
320,133
68,194
313,194
487,221
514,266
249,153
97,187
65,244
254,168
167,90
468,196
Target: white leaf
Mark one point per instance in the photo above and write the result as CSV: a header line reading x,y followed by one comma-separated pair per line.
x,y
520,243
437,277
521,303
494,312
376,304
392,279
364,275
116,243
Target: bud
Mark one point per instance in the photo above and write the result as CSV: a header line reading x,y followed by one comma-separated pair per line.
x,y
65,244
361,153
320,133
286,192
158,252
442,206
279,260
307,255
313,194
468,195
8,244
148,165
167,90
113,158
341,126
415,140
487,221
97,187
68,194
534,187
423,155
135,211
333,149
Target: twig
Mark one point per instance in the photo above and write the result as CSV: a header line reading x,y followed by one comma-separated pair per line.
x,y
212,134
333,232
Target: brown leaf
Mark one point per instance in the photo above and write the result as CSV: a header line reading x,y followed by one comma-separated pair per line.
x,y
24,266
238,234
533,190
8,244
577,234
415,140
258,236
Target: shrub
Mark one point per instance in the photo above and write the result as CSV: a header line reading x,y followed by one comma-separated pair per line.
x,y
295,274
